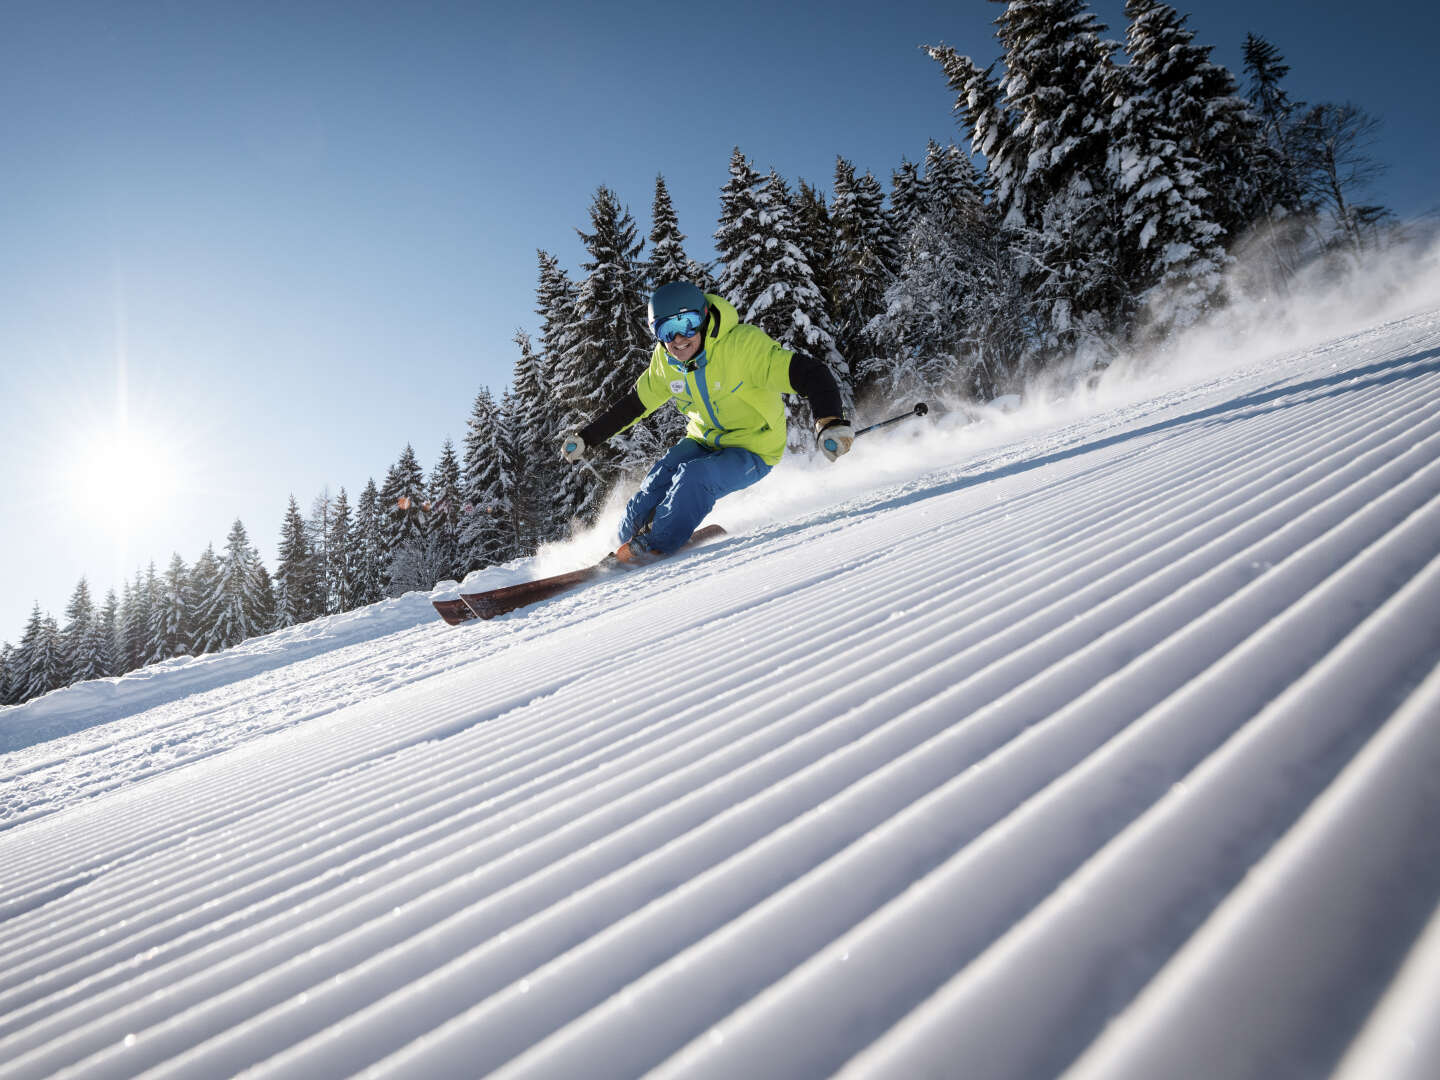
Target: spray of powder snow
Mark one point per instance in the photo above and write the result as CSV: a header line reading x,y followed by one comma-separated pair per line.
x,y
1393,285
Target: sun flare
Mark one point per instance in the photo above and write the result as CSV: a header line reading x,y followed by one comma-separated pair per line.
x,y
124,477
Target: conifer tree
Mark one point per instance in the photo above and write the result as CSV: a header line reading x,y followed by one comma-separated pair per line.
x,y
234,609
370,561
487,486
108,628
1214,127
668,261
556,297
296,586
9,692
170,618
1277,251
956,318
446,510
264,593
76,662
317,534
953,191
611,350
39,663
120,646
1169,251
342,586
136,619
907,196
737,236
516,544
415,554
816,236
403,504
866,256
205,582
1266,69
555,300
1043,131
530,417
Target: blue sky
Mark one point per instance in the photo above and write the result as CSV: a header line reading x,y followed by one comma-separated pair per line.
x,y
276,242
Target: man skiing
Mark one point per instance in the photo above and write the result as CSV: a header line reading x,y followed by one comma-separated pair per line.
x,y
727,378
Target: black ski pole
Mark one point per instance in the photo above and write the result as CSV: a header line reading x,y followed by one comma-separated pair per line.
x,y
920,410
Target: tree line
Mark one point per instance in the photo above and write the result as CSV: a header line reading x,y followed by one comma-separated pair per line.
x,y
1100,205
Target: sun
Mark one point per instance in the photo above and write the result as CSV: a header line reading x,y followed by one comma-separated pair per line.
x,y
123,477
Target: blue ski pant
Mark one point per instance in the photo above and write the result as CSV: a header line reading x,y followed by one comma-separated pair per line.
x,y
682,487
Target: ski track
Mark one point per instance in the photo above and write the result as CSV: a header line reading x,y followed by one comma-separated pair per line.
x,y
1109,751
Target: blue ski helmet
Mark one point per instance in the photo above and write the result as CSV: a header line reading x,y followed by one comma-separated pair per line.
x,y
673,298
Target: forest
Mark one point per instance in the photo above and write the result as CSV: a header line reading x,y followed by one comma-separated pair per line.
x,y
1102,201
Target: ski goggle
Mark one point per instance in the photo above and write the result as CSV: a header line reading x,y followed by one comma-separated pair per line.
x,y
681,324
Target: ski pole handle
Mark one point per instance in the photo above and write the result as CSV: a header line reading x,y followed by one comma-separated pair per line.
x,y
920,409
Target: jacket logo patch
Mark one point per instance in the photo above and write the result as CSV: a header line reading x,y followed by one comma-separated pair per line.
x,y
677,386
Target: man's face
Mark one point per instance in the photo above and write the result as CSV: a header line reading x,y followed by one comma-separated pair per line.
x,y
686,349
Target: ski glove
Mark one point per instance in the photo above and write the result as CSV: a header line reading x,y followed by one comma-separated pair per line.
x,y
834,436
573,448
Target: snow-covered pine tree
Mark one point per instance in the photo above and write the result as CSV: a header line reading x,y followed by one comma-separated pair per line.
x,y
39,666
447,511
342,585
317,534
1200,100
107,625
737,234
1169,251
409,558
134,623
370,561
815,233
531,420
120,644
75,665
296,586
205,582
233,610
402,502
510,460
907,196
264,593
9,692
612,348
668,261
954,188
169,629
866,258
1043,130
555,299
486,486
957,320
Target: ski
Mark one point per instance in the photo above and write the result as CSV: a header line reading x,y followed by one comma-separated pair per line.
x,y
487,605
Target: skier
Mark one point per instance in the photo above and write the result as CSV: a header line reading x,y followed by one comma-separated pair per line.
x,y
726,377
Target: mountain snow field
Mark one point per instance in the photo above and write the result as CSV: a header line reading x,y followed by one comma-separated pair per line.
x,y
1097,739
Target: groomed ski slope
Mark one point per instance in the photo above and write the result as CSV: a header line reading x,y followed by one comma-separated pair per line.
x,y
1102,743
